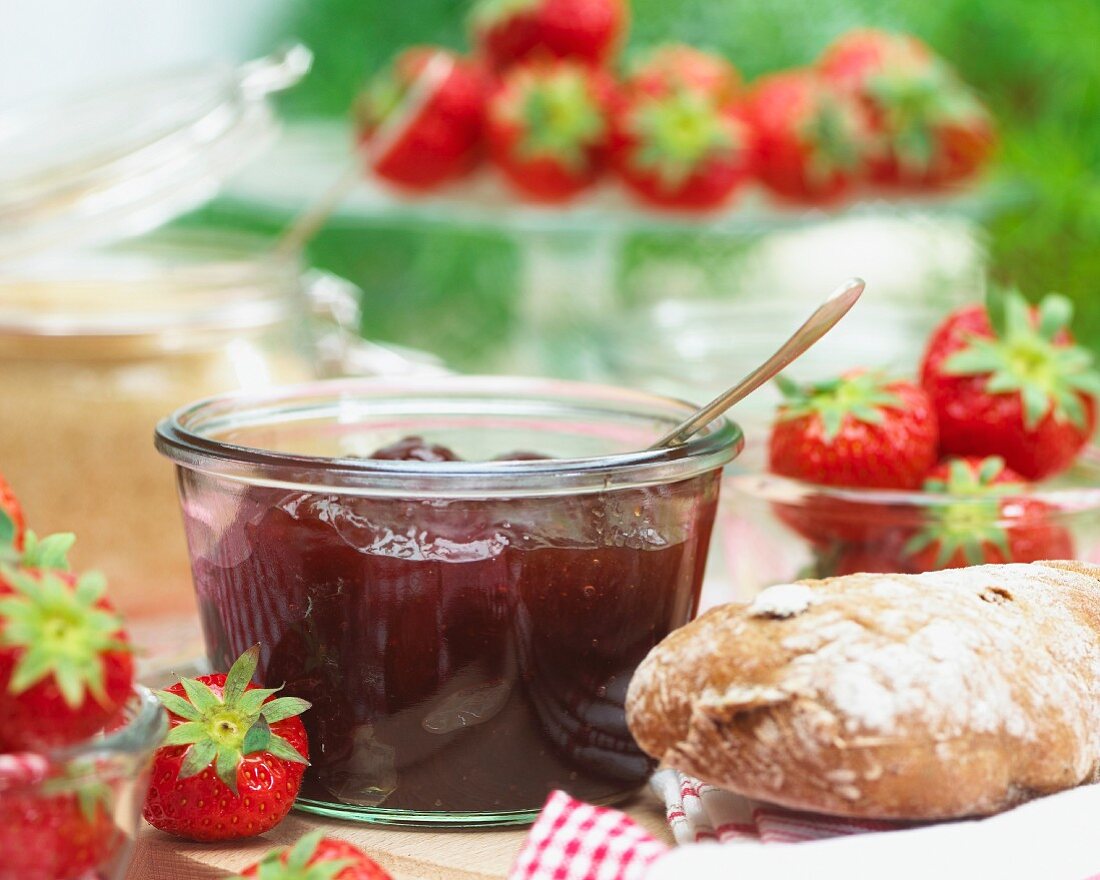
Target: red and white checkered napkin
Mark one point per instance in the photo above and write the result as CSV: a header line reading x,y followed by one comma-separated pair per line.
x,y
572,840
700,813
576,841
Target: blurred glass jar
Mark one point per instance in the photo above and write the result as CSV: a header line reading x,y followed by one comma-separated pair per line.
x,y
101,332
776,530
93,349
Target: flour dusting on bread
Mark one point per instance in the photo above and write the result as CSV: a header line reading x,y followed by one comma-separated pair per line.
x,y
907,696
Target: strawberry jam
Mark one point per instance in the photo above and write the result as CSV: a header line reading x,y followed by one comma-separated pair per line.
x,y
462,656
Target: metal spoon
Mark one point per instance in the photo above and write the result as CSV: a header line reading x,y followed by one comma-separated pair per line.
x,y
817,325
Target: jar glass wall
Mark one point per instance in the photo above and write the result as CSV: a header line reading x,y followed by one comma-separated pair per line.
x,y
465,630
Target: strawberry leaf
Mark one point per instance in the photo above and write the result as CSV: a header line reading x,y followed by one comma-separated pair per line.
x,y
178,705
280,748
7,529
197,758
225,765
283,708
258,737
185,734
200,695
240,674
51,552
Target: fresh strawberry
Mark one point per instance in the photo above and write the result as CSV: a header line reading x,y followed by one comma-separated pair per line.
x,y
315,857
509,31
933,130
1008,380
811,142
973,471
421,120
52,827
12,523
232,762
984,523
674,66
548,128
861,430
66,665
683,150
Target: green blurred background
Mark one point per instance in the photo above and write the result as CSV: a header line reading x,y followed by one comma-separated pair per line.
x,y
1036,63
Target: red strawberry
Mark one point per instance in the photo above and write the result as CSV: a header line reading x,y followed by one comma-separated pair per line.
x,y
232,762
51,827
810,141
548,129
508,31
12,523
955,474
982,524
421,120
316,857
1013,385
861,430
676,66
934,131
683,150
65,662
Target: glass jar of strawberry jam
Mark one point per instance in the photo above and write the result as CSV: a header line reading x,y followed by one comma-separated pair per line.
x,y
460,574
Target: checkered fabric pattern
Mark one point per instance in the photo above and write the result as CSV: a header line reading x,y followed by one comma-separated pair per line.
x,y
577,841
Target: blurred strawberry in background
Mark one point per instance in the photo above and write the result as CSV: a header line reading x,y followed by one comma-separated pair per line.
x,y
548,128
508,31
421,118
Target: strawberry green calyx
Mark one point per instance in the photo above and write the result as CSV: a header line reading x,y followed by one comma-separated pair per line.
x,y
915,103
558,117
861,396
962,479
62,632
1029,356
972,524
221,729
7,531
678,133
297,862
49,553
835,131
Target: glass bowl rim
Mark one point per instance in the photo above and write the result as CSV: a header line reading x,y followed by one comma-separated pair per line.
x,y
767,486
710,449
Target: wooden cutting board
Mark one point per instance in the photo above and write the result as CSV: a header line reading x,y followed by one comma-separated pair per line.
x,y
407,854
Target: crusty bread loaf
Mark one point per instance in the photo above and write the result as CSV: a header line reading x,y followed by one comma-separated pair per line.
x,y
958,693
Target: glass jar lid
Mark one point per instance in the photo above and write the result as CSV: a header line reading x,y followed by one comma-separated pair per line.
x,y
120,161
178,282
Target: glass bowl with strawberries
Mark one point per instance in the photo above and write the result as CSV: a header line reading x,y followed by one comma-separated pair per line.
x,y
986,460
72,813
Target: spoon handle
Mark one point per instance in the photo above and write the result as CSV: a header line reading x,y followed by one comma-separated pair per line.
x,y
817,325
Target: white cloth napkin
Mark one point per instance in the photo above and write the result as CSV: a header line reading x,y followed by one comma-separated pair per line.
x,y
1052,838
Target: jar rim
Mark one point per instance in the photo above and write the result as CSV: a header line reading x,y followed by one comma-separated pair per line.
x,y
186,438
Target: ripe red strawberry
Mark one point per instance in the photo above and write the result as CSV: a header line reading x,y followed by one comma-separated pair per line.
x,y
548,128
933,129
65,662
984,523
1008,380
12,522
861,430
316,857
811,142
508,31
232,762
421,120
674,66
51,827
955,474
683,150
